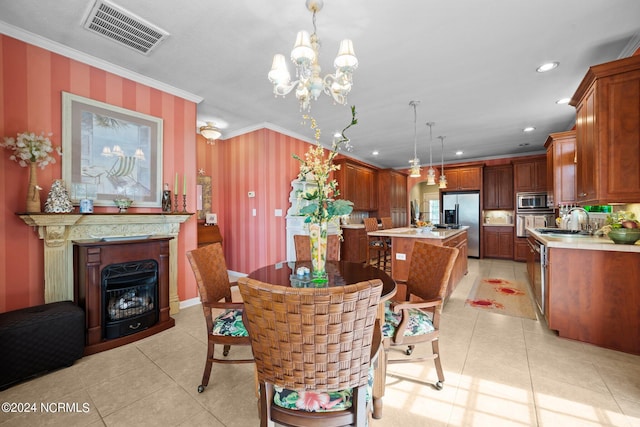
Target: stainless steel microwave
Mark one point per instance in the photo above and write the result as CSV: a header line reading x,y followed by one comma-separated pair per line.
x,y
529,202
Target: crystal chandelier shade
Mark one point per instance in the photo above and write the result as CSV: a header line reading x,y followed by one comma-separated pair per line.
x,y
415,162
309,84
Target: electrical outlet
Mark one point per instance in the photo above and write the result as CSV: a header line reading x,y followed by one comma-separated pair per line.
x,y
253,212
278,212
251,194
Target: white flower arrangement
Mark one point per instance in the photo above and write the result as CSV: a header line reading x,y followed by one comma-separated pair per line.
x,y
31,148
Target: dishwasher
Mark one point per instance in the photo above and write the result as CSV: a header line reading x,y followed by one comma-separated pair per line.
x,y
537,266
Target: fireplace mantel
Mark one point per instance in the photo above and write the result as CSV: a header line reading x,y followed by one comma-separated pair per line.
x,y
60,230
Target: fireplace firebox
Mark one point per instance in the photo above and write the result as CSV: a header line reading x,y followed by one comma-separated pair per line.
x,y
123,287
129,297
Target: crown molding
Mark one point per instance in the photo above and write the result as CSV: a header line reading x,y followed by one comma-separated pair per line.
x,y
74,54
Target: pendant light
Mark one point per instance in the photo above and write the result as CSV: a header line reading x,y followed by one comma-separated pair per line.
x,y
431,174
443,179
415,163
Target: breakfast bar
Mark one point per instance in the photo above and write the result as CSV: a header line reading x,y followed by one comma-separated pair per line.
x,y
402,240
589,289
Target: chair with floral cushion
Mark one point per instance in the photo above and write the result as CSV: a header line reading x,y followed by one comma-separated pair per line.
x,y
314,349
303,247
417,319
223,317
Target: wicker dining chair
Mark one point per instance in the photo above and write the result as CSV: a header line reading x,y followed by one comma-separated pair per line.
x,y
377,245
303,247
417,319
226,328
314,349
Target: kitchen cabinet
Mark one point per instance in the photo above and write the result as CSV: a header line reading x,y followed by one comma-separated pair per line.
x,y
357,183
403,245
498,242
354,244
561,168
592,296
498,187
464,178
392,196
607,105
520,249
530,175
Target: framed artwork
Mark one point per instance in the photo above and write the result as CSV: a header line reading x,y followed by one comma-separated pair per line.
x,y
203,196
110,152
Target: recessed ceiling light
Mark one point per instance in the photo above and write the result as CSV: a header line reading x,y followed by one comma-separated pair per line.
x,y
524,144
375,153
458,153
528,129
547,67
563,101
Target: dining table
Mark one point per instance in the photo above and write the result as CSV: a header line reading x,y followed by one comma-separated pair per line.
x,y
339,273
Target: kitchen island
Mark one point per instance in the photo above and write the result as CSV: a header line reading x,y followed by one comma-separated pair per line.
x,y
402,240
593,290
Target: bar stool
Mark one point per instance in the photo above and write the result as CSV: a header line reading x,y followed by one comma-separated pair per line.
x,y
377,244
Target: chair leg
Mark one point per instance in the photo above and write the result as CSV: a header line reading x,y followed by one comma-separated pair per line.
x,y
436,352
207,368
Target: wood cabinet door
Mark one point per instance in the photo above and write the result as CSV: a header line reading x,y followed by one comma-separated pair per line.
x,y
498,242
469,179
586,149
564,170
520,249
490,191
530,175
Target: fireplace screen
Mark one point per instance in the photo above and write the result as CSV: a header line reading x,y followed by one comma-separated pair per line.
x,y
130,297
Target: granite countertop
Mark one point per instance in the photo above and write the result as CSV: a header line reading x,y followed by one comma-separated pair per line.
x,y
497,225
436,233
584,242
352,226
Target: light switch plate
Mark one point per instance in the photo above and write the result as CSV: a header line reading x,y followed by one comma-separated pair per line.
x,y
278,212
401,257
251,194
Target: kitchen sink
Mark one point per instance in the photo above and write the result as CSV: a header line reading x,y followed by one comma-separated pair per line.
x,y
560,232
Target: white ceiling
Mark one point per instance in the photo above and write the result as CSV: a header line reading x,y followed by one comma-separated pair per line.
x,y
471,63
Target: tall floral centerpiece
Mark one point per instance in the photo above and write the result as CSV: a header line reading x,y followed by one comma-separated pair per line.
x,y
29,149
323,205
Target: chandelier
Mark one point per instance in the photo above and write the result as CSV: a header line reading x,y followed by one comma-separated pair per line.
x,y
443,179
210,132
305,57
431,173
415,162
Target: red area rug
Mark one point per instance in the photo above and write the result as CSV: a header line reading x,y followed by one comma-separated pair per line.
x,y
502,296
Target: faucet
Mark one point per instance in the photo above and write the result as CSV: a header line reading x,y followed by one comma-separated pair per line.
x,y
579,217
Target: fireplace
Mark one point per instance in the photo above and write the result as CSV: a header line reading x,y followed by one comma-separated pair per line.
x,y
123,287
129,297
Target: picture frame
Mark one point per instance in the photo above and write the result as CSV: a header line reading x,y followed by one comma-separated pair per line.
x,y
110,153
203,196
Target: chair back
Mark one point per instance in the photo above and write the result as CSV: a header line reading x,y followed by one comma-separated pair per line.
x,y
303,247
210,270
370,224
430,270
387,223
311,338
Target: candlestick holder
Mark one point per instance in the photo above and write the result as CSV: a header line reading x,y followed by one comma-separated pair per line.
x,y
175,205
184,203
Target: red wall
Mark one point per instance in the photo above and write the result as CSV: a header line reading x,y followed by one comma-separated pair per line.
x,y
31,82
261,162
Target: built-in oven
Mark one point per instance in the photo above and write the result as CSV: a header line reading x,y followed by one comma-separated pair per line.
x,y
537,269
531,202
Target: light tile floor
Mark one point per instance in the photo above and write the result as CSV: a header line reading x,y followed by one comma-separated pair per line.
x,y
500,371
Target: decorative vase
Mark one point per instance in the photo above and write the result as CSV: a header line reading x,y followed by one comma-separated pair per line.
x,y
33,191
318,240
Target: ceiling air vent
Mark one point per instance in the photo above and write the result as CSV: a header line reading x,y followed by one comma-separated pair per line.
x,y
124,27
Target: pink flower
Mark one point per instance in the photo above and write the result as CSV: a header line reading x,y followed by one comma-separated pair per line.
x,y
312,401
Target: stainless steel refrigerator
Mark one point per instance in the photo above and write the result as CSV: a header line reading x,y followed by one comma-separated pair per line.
x,y
464,209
